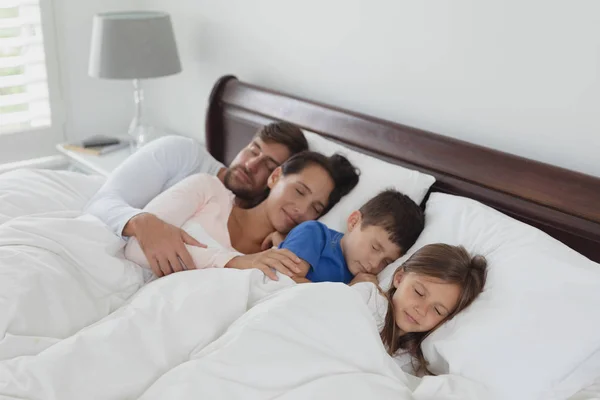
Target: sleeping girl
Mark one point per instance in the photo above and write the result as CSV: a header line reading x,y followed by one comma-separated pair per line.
x,y
431,287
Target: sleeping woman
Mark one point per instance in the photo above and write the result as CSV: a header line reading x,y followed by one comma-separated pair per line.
x,y
304,188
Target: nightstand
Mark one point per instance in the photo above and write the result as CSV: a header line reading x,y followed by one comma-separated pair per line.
x,y
91,164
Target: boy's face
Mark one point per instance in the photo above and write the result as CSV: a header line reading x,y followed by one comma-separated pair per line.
x,y
367,249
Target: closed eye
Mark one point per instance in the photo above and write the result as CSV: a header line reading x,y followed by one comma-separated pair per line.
x,y
299,192
271,166
438,312
254,150
419,293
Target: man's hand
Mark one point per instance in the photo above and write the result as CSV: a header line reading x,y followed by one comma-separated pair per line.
x,y
162,243
365,277
281,260
272,240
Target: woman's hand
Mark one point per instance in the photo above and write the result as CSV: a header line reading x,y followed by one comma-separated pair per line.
x,y
272,240
267,261
365,277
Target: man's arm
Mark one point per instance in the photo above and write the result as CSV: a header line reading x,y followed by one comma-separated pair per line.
x,y
171,208
154,168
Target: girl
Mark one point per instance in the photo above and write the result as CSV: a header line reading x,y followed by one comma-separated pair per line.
x,y
304,188
431,287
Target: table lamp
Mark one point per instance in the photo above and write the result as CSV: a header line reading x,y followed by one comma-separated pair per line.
x,y
134,45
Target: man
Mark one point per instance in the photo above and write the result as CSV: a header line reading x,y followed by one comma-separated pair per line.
x,y
166,161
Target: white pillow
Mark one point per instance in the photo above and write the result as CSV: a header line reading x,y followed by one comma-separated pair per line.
x,y
531,334
375,176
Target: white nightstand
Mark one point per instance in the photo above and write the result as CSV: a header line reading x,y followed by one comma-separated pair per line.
x,y
90,164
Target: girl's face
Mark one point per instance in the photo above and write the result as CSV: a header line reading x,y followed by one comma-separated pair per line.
x,y
296,198
422,302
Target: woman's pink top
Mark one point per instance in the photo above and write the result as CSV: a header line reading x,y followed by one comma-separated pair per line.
x,y
200,205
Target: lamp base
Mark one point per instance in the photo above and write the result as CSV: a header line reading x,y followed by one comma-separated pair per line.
x,y
141,130
143,133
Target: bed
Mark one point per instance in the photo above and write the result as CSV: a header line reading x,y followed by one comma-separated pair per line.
x,y
199,357
562,203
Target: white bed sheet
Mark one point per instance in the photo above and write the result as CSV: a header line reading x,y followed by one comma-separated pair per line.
x,y
591,392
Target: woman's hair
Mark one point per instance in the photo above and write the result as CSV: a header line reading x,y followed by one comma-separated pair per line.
x,y
344,174
451,264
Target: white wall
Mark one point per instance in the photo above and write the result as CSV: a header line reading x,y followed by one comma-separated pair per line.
x,y
517,75
92,106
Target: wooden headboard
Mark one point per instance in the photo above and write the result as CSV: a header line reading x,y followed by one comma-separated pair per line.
x,y
563,203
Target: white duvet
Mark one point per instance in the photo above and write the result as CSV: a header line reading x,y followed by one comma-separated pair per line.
x,y
77,322
59,271
190,336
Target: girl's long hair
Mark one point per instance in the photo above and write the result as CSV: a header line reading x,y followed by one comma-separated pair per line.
x,y
451,264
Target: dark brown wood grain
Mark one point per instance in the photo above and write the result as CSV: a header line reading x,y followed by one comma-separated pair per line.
x,y
564,203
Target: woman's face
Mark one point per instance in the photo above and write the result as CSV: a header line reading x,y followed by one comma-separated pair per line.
x,y
422,302
296,198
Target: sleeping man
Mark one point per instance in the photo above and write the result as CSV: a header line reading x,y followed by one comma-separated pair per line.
x,y
165,162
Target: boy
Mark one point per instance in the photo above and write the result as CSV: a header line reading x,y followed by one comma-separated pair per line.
x,y
381,231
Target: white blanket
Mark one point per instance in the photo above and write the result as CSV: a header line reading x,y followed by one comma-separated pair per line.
x,y
59,271
189,336
58,274
74,323
33,191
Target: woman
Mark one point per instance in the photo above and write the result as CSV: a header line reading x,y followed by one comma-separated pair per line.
x,y
304,188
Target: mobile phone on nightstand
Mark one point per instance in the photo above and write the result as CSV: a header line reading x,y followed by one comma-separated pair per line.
x,y
99,141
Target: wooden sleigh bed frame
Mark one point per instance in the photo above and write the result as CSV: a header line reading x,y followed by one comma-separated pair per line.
x,y
563,203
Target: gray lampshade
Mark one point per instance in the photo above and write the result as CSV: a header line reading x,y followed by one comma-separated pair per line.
x,y
133,45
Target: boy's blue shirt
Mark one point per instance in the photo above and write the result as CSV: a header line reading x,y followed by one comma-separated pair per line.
x,y
320,247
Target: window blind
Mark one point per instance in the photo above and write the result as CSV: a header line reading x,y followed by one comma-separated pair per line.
x,y
24,100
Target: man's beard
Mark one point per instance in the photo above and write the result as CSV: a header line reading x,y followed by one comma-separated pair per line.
x,y
245,194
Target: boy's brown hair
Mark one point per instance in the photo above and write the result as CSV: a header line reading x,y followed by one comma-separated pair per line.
x,y
395,212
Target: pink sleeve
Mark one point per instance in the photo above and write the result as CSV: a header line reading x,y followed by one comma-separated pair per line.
x,y
180,202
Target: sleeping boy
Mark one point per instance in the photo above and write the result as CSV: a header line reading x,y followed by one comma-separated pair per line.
x,y
378,233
